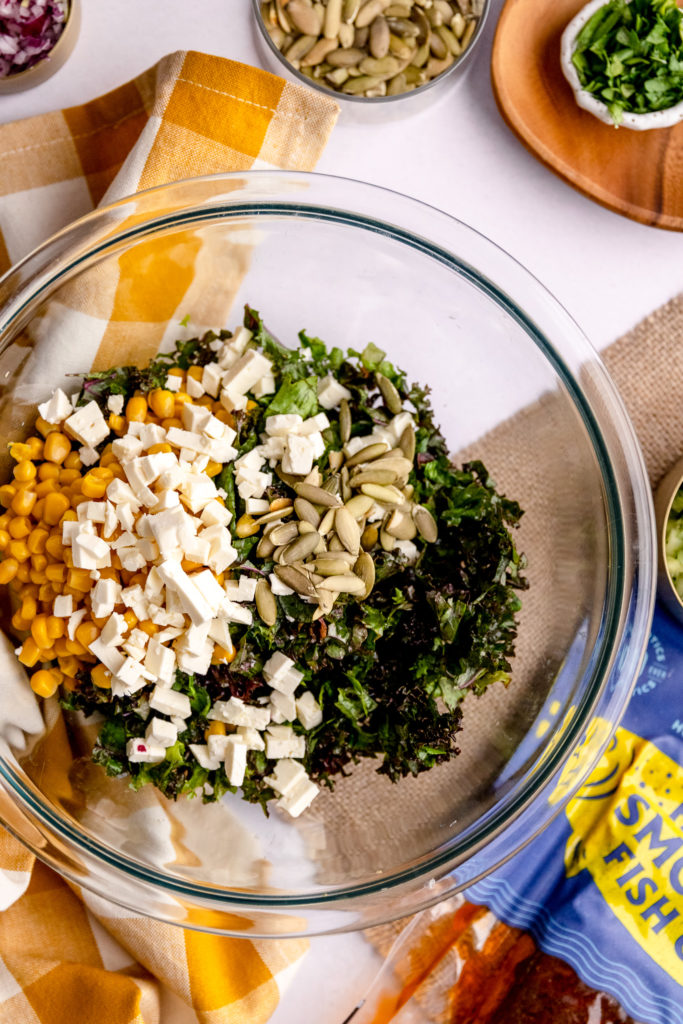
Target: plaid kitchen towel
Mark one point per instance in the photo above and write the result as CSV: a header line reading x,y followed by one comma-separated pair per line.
x,y
65,959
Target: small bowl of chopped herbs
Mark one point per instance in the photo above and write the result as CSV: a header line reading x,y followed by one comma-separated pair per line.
x,y
669,517
624,61
36,38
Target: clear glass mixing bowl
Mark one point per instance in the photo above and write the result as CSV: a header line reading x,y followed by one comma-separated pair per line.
x,y
513,382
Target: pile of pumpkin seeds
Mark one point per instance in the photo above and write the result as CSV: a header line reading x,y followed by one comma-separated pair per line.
x,y
371,48
322,540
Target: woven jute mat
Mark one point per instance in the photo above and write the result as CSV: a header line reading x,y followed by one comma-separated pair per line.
x,y
459,943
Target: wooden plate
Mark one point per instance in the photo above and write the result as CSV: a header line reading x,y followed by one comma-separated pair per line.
x,y
637,174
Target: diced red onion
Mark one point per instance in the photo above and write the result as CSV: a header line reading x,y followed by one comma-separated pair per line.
x,y
28,31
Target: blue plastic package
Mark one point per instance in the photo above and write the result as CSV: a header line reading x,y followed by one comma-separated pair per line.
x,y
602,886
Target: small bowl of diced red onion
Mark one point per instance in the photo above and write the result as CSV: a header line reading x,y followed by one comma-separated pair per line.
x,y
36,37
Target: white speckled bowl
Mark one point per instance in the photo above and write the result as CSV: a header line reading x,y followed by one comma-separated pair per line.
x,y
637,122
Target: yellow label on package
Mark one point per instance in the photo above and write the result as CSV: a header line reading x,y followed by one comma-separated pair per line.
x,y
627,831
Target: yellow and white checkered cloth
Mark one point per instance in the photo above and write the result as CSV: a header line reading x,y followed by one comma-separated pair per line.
x,y
65,960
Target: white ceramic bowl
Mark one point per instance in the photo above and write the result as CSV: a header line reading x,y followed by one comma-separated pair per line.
x,y
586,100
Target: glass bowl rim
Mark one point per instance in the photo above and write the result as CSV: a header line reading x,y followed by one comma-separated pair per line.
x,y
444,858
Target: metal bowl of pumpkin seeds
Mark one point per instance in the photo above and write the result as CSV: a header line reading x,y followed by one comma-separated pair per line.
x,y
371,53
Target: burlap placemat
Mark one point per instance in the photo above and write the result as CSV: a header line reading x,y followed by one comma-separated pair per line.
x,y
462,965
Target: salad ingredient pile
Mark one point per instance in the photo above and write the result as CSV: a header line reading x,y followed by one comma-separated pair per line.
x,y
29,30
629,55
259,565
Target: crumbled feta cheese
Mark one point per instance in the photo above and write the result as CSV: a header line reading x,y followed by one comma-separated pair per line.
x,y
88,456
235,760
160,661
251,737
201,752
174,382
161,732
104,595
281,673
115,404
298,455
282,741
286,775
283,704
63,606
279,588
57,407
108,655
191,598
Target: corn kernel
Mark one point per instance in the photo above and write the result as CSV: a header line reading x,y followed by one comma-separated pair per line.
x,y
25,471
148,627
213,468
55,507
45,428
163,446
44,682
67,476
172,421
7,493
55,573
20,451
131,618
36,445
221,655
73,461
5,538
79,579
8,569
46,487
48,471
136,409
93,487
69,665
60,648
46,593
19,623
101,677
86,633
53,546
162,403
215,729
39,631
74,647
18,549
29,608
24,572
30,653
55,627
38,562
23,502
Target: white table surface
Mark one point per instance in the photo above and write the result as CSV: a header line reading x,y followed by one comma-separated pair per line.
x,y
459,156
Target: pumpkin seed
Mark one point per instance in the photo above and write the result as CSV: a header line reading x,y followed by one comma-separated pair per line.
x,y
407,443
437,46
300,548
332,20
379,38
387,67
284,21
350,10
365,570
344,421
420,59
369,12
387,542
266,605
437,67
347,529
284,533
360,37
313,477
333,484
384,494
299,48
367,454
316,495
306,512
326,523
369,537
347,583
305,527
403,27
331,566
398,464
304,17
346,36
400,10
374,476
458,24
277,35
318,53
358,86
401,526
359,505
295,579
271,517
424,28
450,40
425,523
401,48
265,547
335,544
345,58
287,478
415,76
338,76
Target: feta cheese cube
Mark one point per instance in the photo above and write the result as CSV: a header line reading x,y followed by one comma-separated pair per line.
x,y
282,741
235,760
160,661
283,703
113,631
87,425
88,455
115,404
194,387
63,606
279,588
281,673
298,455
299,797
219,632
286,775
236,712
264,386
161,732
170,702
248,369
201,752
104,595
242,589
314,424
90,552
284,424
108,655
195,418
257,506
57,408
251,737
192,600
212,375
173,382
308,710
331,392
215,513
139,751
